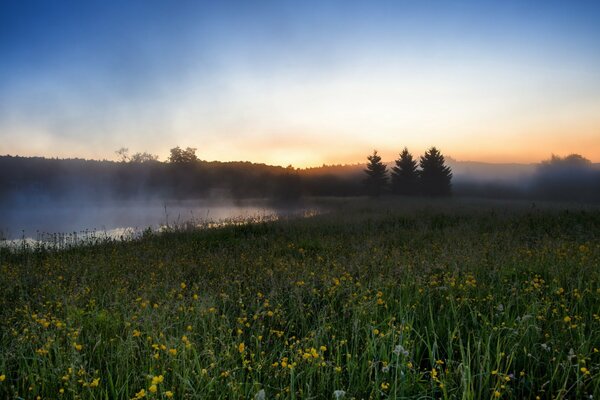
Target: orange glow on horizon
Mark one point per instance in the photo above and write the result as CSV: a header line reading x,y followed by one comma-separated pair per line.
x,y
317,156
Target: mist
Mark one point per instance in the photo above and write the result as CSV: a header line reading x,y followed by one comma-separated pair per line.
x,y
41,196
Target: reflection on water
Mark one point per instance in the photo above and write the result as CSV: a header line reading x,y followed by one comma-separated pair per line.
x,y
65,224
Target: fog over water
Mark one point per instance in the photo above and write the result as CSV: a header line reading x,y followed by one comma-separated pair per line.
x,y
41,197
116,218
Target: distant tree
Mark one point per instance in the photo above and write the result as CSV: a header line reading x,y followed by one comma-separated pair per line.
x,y
570,161
122,154
435,176
142,157
566,179
178,155
377,178
405,176
287,185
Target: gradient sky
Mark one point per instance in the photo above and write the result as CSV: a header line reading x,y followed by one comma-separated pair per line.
x,y
301,82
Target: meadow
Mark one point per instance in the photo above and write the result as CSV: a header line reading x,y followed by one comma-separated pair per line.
x,y
372,300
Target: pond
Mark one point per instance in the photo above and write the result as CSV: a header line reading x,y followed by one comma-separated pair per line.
x,y
78,221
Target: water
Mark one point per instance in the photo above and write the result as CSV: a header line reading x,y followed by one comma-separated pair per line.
x,y
73,221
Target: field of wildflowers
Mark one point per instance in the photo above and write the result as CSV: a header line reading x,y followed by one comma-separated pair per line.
x,y
370,302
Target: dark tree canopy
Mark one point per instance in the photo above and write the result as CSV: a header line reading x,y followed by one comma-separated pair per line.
x,y
435,175
570,161
572,177
405,177
142,157
178,155
376,171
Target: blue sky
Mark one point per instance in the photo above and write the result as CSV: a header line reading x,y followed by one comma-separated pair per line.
x,y
300,82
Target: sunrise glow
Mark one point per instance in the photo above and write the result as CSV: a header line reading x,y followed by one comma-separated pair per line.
x,y
301,83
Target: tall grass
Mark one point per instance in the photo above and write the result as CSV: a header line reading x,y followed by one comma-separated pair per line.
x,y
371,302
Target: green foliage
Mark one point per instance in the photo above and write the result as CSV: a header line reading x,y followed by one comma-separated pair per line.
x,y
422,299
377,178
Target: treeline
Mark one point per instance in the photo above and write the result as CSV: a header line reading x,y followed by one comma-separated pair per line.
x,y
431,177
39,179
183,176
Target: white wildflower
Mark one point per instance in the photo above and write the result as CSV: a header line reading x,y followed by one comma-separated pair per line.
x,y
545,347
399,349
260,395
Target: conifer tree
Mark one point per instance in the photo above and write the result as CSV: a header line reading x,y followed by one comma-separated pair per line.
x,y
376,171
405,176
435,176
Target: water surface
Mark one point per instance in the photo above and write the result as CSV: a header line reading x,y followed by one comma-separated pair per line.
x,y
44,221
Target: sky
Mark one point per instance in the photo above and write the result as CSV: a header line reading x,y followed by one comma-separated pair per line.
x,y
301,82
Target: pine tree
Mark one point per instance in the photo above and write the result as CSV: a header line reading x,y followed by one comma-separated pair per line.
x,y
376,171
405,177
435,175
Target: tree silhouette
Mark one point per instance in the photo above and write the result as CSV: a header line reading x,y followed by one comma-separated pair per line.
x,y
570,161
435,175
566,178
376,175
123,154
178,155
405,177
143,157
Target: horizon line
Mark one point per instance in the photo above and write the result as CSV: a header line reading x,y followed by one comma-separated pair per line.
x,y
448,158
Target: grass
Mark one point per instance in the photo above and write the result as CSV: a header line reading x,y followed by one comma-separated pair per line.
x,y
376,300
